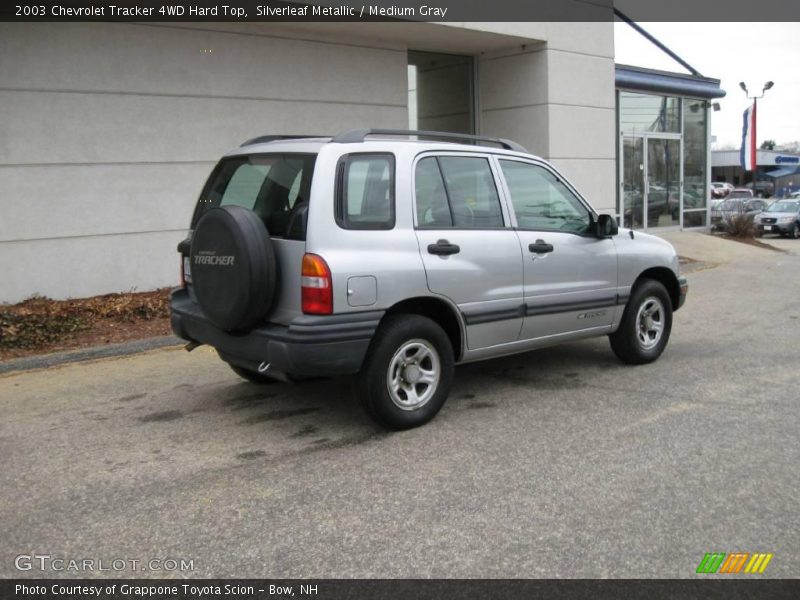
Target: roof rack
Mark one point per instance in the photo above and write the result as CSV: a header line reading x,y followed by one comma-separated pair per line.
x,y
353,136
274,138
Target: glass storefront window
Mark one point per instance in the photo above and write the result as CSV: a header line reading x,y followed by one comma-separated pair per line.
x,y
695,148
645,113
664,156
694,218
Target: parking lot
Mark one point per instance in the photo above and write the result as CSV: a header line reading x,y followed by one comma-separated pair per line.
x,y
557,463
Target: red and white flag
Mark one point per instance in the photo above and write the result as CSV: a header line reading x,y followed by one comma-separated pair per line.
x,y
747,154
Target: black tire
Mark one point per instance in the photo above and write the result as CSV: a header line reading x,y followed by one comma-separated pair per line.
x,y
424,343
252,376
795,231
637,345
234,271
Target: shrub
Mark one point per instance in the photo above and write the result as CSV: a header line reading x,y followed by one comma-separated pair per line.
x,y
740,225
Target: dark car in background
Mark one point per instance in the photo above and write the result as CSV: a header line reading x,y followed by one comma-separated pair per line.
x,y
762,188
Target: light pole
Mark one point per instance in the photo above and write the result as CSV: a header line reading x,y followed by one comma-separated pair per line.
x,y
768,85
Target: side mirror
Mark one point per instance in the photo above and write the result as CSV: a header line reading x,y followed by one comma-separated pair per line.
x,y
606,226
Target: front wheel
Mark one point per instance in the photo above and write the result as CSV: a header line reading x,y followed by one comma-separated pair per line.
x,y
406,377
646,324
795,231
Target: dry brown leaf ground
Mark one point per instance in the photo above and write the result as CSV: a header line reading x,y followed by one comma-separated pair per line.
x,y
41,325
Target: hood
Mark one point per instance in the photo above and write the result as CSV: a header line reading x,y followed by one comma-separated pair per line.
x,y
776,215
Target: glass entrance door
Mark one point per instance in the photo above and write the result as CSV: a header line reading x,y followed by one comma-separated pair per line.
x,y
633,182
663,189
650,182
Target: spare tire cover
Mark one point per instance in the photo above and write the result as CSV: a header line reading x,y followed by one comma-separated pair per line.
x,y
233,267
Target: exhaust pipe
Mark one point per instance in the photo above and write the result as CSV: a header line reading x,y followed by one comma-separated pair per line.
x,y
264,369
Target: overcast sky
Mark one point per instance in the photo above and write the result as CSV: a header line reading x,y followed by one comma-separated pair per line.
x,y
732,52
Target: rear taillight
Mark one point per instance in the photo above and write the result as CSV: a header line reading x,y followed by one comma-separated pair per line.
x,y
317,287
186,271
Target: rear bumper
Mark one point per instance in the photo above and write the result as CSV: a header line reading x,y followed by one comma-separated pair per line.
x,y
310,346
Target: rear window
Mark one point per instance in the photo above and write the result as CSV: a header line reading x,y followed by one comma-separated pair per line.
x,y
274,186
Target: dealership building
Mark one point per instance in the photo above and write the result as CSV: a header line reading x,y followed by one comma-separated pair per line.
x,y
777,172
108,130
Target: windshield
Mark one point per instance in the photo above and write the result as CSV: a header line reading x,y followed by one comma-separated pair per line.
x,y
783,207
271,185
739,194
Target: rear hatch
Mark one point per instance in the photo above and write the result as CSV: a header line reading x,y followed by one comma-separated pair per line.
x,y
276,186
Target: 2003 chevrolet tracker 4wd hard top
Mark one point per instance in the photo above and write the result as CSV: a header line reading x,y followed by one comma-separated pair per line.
x,y
393,259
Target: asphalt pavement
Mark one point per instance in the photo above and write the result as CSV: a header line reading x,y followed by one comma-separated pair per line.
x,y
556,463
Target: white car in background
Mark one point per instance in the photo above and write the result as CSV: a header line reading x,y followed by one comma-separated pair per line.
x,y
720,189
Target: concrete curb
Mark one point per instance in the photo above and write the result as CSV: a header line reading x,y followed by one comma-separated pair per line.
x,y
110,350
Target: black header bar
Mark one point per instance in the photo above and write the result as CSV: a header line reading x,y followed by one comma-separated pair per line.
x,y
392,10
711,588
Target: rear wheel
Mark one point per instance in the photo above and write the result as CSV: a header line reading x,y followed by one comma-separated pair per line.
x,y
252,376
406,377
646,324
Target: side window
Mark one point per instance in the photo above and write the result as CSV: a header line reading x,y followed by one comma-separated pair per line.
x,y
472,192
433,210
456,192
365,191
541,200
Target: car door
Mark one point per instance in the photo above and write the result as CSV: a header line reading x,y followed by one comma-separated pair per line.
x,y
569,275
471,254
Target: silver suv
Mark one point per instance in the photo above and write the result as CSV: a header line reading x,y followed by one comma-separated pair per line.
x,y
395,259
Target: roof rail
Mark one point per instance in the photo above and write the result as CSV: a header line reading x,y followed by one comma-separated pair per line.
x,y
274,138
353,136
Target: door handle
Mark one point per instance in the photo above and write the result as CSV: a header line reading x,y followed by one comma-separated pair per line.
x,y
443,248
540,247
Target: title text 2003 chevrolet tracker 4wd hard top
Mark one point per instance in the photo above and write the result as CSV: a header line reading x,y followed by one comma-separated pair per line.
x,y
394,259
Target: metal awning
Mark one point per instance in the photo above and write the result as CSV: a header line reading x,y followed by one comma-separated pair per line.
x,y
783,172
664,82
